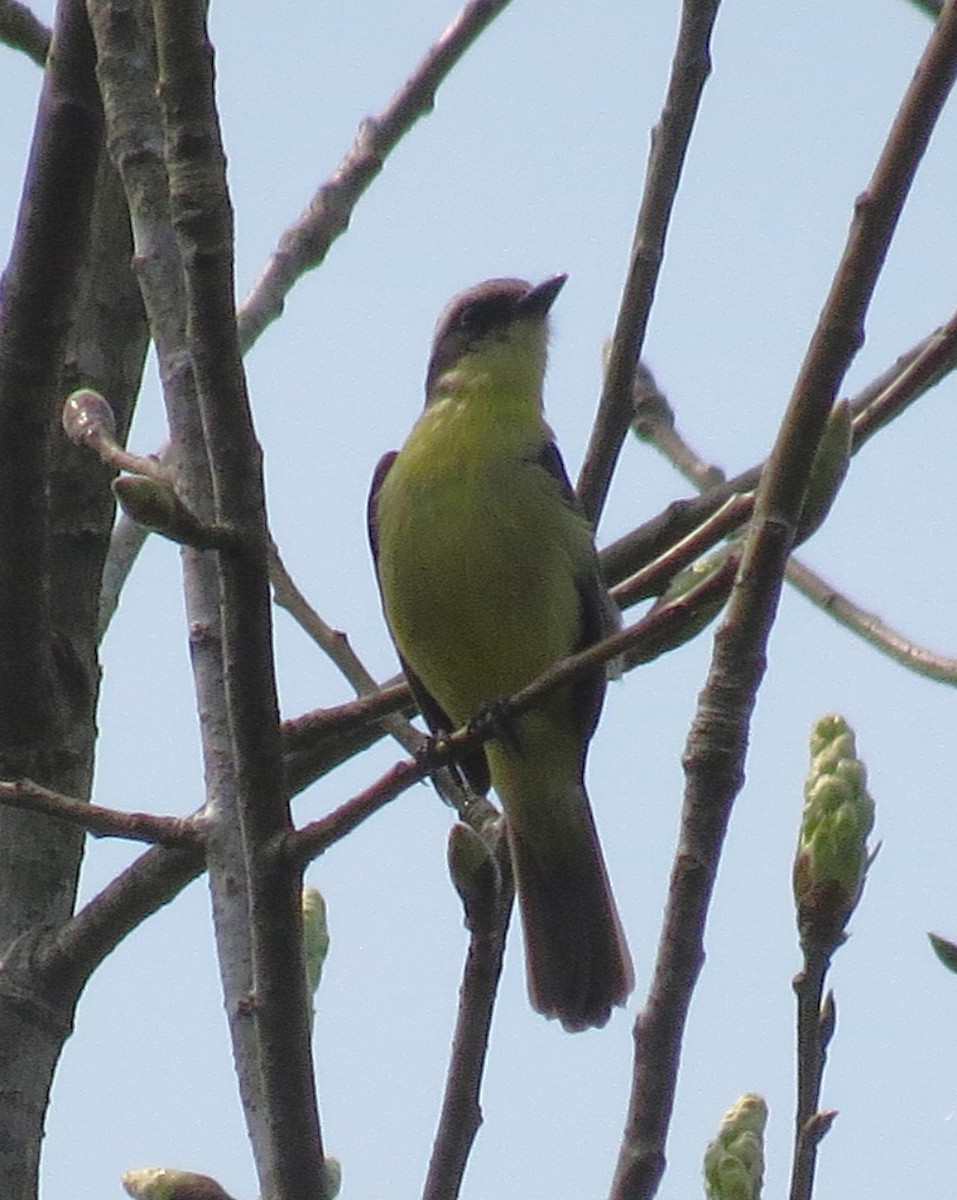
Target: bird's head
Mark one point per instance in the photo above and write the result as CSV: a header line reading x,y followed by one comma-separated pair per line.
x,y
493,339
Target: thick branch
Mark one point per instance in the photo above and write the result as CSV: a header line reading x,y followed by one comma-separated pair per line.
x,y
40,692
38,291
275,1056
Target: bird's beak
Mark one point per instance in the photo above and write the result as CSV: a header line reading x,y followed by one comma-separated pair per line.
x,y
538,300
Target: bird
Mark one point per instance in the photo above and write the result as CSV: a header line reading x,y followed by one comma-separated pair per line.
x,y
488,574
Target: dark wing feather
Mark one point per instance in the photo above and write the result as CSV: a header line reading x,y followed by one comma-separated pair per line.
x,y
382,469
474,766
599,614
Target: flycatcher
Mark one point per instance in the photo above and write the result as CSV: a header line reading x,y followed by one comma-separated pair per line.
x,y
488,573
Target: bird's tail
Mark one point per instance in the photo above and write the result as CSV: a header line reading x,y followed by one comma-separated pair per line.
x,y
576,955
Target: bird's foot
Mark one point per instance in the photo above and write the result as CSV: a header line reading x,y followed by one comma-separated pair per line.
x,y
494,720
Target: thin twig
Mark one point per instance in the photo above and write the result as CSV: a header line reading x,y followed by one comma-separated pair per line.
x,y
305,244
876,406
28,796
809,583
335,644
815,1027
917,372
872,628
653,579
669,144
488,907
880,402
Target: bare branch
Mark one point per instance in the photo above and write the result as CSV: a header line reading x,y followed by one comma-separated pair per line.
x,y
304,245
28,796
871,627
22,30
487,892
655,577
915,373
717,742
257,898
852,616
885,398
669,144
813,1038
38,290
76,949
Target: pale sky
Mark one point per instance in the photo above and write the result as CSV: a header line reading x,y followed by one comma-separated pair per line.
x,y
531,164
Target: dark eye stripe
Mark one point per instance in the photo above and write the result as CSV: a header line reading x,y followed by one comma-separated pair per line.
x,y
483,315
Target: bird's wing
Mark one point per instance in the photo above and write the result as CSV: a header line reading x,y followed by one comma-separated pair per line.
x,y
599,613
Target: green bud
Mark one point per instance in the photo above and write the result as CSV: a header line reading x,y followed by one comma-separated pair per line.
x,y
88,418
154,504
149,503
315,935
475,874
945,951
695,588
163,1183
333,1171
832,856
734,1161
651,408
692,577
828,469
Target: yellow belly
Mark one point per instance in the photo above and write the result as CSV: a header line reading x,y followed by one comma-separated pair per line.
x,y
477,561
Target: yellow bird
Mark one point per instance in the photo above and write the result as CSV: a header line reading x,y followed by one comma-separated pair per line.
x,y
488,573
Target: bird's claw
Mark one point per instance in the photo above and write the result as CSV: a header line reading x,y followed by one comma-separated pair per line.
x,y
494,720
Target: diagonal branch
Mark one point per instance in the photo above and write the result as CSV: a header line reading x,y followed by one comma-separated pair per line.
x,y
717,742
884,399
76,949
887,397
28,796
669,144
871,627
304,245
914,374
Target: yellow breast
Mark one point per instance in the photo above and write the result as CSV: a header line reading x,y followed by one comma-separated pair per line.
x,y
478,554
